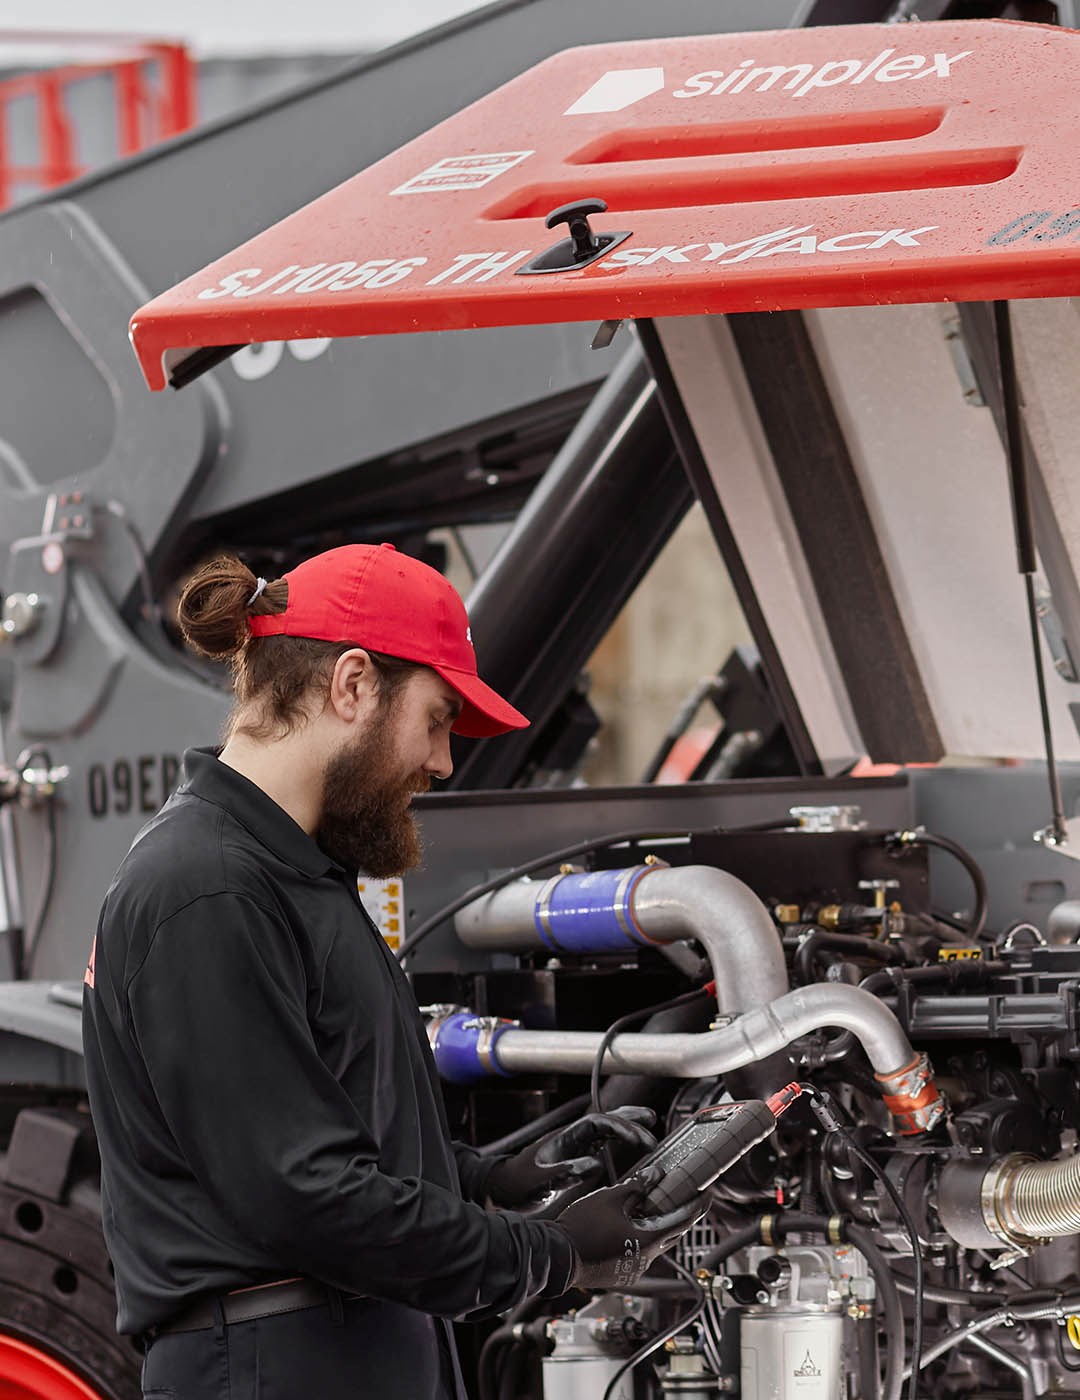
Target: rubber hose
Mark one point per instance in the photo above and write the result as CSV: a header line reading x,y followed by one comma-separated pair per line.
x,y
962,1297
891,1306
488,1362
849,943
958,973
977,922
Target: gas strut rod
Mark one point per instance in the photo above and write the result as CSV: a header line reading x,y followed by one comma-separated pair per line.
x,y
1055,834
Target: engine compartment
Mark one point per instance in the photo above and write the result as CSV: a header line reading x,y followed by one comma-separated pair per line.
x,y
936,1036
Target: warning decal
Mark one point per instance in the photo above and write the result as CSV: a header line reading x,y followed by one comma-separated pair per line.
x,y
462,172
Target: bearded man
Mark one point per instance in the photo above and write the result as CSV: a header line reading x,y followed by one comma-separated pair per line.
x,y
285,1212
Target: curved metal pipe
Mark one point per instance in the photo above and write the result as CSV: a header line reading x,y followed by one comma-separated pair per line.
x,y
661,905
750,1037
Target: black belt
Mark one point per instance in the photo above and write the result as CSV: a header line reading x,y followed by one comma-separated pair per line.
x,y
246,1304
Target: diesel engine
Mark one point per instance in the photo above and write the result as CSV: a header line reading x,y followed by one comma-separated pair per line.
x,y
917,1201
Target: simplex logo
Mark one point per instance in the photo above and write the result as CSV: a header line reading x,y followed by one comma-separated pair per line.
x,y
621,88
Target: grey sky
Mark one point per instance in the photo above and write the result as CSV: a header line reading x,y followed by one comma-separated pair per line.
x,y
238,26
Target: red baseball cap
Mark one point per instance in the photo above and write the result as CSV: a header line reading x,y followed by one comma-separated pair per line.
x,y
375,597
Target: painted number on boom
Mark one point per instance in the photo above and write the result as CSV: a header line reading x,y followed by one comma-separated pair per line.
x,y
127,785
1040,225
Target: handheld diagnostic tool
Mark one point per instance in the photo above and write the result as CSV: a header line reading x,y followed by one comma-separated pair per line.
x,y
706,1145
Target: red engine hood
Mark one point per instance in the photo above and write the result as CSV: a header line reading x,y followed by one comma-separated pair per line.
x,y
800,168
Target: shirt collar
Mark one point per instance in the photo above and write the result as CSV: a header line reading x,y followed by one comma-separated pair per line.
x,y
255,810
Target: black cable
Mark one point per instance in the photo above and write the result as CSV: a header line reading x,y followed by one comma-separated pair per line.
x,y
698,993
899,840
1048,1310
684,999
150,608
824,1111
654,1345
530,1132
35,929
1074,1364
711,1324
595,843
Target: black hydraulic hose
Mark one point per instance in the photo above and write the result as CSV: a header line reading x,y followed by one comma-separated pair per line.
x,y
491,1375
962,1297
959,973
891,1306
579,848
534,1130
661,1288
899,840
847,943
488,1364
511,1381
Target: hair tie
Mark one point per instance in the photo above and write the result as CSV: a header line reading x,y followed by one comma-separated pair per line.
x,y
258,589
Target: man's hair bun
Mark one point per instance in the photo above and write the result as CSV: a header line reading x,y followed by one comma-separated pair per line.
x,y
214,607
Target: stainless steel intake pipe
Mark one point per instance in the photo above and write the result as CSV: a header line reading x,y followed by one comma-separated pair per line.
x,y
615,910
469,1047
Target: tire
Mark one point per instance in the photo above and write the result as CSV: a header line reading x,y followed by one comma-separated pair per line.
x,y
58,1337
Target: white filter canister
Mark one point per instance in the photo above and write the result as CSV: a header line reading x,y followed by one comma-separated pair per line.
x,y
584,1378
792,1355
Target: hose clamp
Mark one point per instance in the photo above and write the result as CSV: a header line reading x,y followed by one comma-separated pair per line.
x,y
995,1194
912,1097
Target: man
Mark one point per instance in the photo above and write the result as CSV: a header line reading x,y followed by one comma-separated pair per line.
x,y
281,1200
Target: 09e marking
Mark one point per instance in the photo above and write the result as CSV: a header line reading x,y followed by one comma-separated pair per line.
x,y
128,785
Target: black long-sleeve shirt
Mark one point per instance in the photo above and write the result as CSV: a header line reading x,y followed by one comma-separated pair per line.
x,y
260,1079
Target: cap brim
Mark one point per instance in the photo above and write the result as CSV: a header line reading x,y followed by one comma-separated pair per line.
x,y
484,713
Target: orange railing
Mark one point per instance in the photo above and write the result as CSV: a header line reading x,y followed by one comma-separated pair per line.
x,y
153,97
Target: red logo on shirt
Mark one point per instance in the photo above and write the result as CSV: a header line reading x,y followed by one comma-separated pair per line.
x,y
88,975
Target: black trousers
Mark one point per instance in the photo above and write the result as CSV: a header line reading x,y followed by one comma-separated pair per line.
x,y
361,1350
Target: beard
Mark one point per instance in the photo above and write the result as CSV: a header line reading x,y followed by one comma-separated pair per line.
x,y
366,823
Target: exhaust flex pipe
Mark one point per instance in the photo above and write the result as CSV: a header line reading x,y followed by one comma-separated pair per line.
x,y
469,1048
1016,1201
615,910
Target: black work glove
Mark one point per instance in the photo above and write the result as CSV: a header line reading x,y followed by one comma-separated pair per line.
x,y
570,1156
612,1248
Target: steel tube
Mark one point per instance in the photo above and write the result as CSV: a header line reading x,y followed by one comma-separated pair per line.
x,y
667,905
751,1037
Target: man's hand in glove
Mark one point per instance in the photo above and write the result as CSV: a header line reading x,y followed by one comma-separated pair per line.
x,y
612,1246
570,1156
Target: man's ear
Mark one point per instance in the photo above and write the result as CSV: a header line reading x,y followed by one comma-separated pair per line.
x,y
354,685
